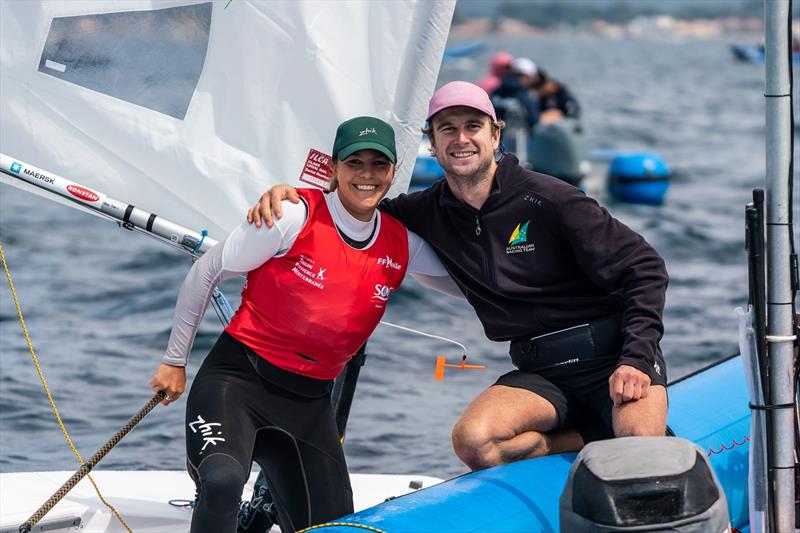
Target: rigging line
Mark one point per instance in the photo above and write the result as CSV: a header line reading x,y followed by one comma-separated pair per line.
x,y
342,524
410,330
49,395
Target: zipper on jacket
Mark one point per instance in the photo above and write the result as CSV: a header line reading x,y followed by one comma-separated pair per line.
x,y
477,225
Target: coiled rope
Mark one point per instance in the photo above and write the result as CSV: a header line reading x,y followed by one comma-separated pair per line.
x,y
49,395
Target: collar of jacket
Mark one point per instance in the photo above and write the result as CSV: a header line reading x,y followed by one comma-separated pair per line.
x,y
505,168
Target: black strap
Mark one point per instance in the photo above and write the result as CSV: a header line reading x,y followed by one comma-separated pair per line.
x,y
771,407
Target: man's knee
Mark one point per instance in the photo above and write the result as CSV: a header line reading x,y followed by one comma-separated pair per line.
x,y
479,444
643,418
475,443
640,429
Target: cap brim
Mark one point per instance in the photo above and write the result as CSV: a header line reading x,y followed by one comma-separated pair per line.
x,y
349,150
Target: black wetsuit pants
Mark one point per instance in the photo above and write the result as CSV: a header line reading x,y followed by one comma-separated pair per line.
x,y
243,409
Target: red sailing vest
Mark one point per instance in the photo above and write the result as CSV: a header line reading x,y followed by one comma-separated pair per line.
x,y
310,310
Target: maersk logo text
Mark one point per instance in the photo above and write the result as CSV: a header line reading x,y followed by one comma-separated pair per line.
x,y
387,262
518,242
15,167
36,175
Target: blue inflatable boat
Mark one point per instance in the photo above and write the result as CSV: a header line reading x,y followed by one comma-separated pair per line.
x,y
709,408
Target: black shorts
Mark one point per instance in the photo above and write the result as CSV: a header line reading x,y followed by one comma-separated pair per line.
x,y
579,392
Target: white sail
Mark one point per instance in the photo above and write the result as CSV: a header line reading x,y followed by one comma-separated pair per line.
x,y
190,109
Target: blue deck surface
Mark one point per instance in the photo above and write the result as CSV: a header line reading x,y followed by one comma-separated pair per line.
x,y
709,408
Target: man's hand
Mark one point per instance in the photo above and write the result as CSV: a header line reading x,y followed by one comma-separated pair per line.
x,y
628,384
271,201
170,379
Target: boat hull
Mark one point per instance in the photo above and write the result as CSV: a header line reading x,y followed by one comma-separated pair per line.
x,y
143,499
709,409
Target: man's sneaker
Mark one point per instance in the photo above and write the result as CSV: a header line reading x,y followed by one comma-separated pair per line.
x,y
258,515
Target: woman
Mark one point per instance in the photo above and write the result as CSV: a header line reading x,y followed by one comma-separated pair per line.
x,y
317,285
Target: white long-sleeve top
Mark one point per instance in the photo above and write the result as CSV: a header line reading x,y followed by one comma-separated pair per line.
x,y
248,247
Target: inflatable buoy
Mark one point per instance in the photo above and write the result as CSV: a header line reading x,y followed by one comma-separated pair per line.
x,y
639,178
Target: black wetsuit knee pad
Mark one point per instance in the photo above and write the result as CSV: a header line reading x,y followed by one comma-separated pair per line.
x,y
220,484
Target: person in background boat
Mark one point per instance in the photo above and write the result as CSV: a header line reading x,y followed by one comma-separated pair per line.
x,y
555,100
517,106
317,285
514,95
578,294
499,66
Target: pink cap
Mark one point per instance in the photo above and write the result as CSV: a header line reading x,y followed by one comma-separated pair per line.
x,y
461,93
499,61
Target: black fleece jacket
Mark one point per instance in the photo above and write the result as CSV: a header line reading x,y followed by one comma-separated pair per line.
x,y
540,256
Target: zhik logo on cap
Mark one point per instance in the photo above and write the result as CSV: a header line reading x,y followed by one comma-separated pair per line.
x,y
16,167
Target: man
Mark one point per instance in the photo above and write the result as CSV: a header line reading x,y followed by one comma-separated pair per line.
x,y
513,98
499,67
515,103
555,99
578,294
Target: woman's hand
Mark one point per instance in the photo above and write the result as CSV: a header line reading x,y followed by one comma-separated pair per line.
x,y
171,380
271,201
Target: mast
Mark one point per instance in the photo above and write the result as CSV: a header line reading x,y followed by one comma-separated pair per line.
x,y
780,305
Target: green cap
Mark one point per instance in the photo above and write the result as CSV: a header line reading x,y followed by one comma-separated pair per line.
x,y
364,133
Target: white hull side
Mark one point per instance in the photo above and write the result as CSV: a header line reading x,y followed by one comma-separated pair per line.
x,y
142,498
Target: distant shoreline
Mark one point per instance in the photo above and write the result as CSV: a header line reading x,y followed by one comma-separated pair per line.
x,y
649,27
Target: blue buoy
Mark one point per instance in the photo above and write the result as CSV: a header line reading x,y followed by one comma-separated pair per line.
x,y
641,178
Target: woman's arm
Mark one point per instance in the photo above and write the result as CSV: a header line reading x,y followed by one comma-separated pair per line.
x,y
245,249
193,298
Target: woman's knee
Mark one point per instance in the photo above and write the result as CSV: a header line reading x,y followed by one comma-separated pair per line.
x,y
221,481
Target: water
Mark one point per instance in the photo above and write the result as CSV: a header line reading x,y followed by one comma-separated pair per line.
x,y
98,300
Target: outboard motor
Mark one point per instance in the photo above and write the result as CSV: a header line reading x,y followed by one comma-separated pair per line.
x,y
655,484
641,178
557,149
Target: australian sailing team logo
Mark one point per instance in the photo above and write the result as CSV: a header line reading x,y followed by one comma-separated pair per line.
x,y
518,242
